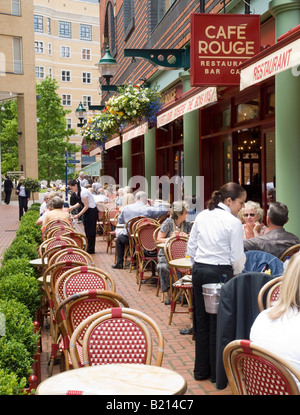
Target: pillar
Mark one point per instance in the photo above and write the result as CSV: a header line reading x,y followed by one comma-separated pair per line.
x,y
126,162
191,143
150,160
287,120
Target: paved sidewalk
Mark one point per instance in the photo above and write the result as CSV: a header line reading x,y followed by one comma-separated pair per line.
x,y
179,349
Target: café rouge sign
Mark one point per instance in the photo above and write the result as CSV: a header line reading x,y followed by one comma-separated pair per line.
x,y
219,44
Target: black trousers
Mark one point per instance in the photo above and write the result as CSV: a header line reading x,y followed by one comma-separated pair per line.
x,y
122,241
7,196
23,205
205,324
89,219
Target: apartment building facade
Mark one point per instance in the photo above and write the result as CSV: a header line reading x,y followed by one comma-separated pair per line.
x,y
17,76
66,47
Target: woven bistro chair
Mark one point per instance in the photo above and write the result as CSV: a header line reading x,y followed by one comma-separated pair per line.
x,y
101,218
49,243
79,239
76,308
269,293
82,278
56,247
118,335
72,254
146,250
290,252
57,231
130,248
53,223
175,248
111,234
253,370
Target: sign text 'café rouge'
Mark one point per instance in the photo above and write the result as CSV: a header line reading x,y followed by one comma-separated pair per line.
x,y
219,44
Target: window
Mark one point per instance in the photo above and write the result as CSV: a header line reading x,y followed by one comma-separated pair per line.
x,y
40,72
66,99
38,23
64,29
39,47
15,8
66,76
128,18
17,55
86,101
109,29
69,123
50,73
49,48
86,54
85,32
48,25
86,77
65,52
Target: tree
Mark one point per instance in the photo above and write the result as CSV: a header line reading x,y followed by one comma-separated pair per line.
x,y
9,136
53,136
32,185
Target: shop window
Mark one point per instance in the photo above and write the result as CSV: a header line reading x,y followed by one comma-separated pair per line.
x,y
270,110
247,111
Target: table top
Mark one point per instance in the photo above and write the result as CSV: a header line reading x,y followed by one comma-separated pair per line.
x,y
181,263
38,262
160,245
115,379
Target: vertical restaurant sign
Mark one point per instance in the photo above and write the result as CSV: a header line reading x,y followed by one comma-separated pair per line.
x,y
219,44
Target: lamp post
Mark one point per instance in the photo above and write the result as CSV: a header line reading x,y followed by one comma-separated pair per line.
x,y
80,114
107,67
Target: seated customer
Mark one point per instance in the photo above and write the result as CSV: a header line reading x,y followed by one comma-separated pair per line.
x,y
175,224
277,239
277,328
56,211
139,208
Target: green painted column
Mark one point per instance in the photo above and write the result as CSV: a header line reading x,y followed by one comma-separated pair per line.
x,y
150,160
190,142
287,120
126,162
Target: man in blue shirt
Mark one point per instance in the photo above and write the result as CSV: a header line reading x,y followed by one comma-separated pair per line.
x,y
139,208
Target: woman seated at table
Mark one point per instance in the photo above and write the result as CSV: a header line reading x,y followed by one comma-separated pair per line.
x,y
277,328
251,216
174,225
56,211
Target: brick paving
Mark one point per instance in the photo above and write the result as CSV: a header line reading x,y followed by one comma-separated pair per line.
x,y
178,349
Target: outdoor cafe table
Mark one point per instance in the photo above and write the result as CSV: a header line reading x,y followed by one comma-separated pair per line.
x,y
114,379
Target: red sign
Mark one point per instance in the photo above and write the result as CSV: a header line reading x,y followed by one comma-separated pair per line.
x,y
219,44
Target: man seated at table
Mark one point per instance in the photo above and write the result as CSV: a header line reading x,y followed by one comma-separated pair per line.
x,y
277,239
139,208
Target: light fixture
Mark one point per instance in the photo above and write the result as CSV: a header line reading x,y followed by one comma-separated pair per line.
x,y
107,67
80,113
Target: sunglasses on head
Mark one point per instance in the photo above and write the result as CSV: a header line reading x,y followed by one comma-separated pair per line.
x,y
249,214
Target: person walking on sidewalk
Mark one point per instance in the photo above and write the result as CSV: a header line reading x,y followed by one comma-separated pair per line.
x,y
23,197
8,186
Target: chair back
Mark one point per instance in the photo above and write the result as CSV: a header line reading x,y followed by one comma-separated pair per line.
x,y
259,261
71,253
80,279
79,238
49,253
175,248
144,235
51,242
58,231
253,370
269,293
54,223
290,252
118,335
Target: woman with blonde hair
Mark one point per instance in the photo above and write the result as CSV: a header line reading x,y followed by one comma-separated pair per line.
x,y
251,216
277,328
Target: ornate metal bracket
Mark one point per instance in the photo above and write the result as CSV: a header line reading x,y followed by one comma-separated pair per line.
x,y
163,58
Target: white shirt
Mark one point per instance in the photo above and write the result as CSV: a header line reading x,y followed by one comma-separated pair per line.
x,y
85,193
216,238
281,336
100,198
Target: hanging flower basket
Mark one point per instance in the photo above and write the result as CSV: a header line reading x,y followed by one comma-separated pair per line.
x,y
133,105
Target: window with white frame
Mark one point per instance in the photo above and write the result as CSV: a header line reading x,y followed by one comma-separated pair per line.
x,y
65,52
68,123
85,32
50,73
40,72
66,99
86,77
86,100
38,23
39,47
86,54
17,55
49,48
15,8
66,76
48,25
64,29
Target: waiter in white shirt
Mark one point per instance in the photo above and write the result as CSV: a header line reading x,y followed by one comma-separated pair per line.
x,y
216,250
89,212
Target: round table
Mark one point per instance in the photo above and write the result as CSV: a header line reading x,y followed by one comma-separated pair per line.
x,y
181,263
115,379
38,262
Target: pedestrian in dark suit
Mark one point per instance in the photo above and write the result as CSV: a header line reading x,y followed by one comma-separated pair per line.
x,y
23,197
8,186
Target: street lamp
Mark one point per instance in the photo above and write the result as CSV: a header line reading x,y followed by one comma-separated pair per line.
x,y
107,67
80,113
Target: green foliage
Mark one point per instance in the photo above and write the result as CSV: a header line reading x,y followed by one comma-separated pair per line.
x,y
11,266
14,357
32,185
9,136
10,384
23,288
35,206
18,324
53,136
28,229
23,247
